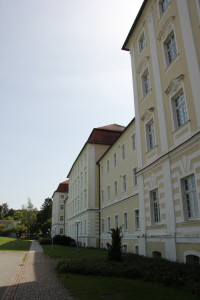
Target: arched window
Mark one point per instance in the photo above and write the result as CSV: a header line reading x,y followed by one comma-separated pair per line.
x,y
193,259
156,254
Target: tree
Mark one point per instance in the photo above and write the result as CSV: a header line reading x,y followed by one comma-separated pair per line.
x,y
29,214
19,229
114,250
44,216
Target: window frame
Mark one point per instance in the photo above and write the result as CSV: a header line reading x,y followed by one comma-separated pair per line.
x,y
145,82
169,60
137,219
116,221
135,176
125,221
174,109
108,192
124,183
194,206
115,189
133,142
155,207
123,152
141,42
115,160
160,7
150,135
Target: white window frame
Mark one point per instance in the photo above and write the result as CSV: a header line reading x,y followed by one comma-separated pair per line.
x,y
145,82
108,193
102,226
116,221
163,6
126,221
61,231
133,142
174,52
62,197
115,160
190,198
183,112
115,188
155,207
61,218
134,176
108,166
61,206
125,248
109,224
141,42
123,152
124,183
102,197
137,219
150,135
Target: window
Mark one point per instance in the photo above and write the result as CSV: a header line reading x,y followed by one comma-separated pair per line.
x,y
61,207
133,144
142,42
109,223
125,248
163,5
108,166
102,225
179,108
61,230
190,200
155,207
123,151
151,142
108,192
124,183
61,218
170,48
114,160
102,172
102,197
136,249
193,259
137,219
134,176
145,83
85,226
156,254
125,221
116,222
115,188
62,197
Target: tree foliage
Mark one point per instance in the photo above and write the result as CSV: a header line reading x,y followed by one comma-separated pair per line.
x,y
29,215
115,250
44,216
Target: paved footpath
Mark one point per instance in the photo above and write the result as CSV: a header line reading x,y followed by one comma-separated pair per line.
x,y
36,279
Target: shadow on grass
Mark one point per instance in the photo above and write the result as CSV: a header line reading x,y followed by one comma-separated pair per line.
x,y
16,245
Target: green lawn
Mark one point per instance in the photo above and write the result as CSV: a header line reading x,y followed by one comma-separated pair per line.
x,y
99,287
87,287
11,244
71,252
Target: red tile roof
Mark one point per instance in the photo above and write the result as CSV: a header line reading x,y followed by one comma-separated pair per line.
x,y
105,135
63,187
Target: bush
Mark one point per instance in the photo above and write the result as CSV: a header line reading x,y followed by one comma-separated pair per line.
x,y
139,267
45,241
64,240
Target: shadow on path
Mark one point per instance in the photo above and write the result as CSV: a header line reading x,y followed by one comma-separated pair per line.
x,y
37,280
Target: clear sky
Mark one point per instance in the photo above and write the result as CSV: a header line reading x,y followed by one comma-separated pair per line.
x,y
62,73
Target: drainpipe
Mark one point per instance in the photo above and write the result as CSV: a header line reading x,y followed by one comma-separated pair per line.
x,y
99,206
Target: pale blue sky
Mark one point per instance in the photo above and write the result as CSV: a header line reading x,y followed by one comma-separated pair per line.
x,y
62,73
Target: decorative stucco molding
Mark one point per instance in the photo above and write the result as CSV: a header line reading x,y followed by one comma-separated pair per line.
x,y
143,64
167,26
147,114
173,86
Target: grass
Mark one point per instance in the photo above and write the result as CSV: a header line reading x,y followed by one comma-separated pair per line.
x,y
71,252
96,287
99,287
11,244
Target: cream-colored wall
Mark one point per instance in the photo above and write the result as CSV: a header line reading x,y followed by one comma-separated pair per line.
x,y
125,202
57,212
176,154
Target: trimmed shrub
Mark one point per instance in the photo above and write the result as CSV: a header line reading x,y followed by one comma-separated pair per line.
x,y
64,240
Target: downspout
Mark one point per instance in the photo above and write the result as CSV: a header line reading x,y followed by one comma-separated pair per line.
x,y
64,215
99,205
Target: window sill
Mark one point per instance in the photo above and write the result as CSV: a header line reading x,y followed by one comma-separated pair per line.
x,y
147,95
161,15
170,65
151,150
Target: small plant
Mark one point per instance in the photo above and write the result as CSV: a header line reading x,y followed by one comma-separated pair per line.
x,y
115,250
